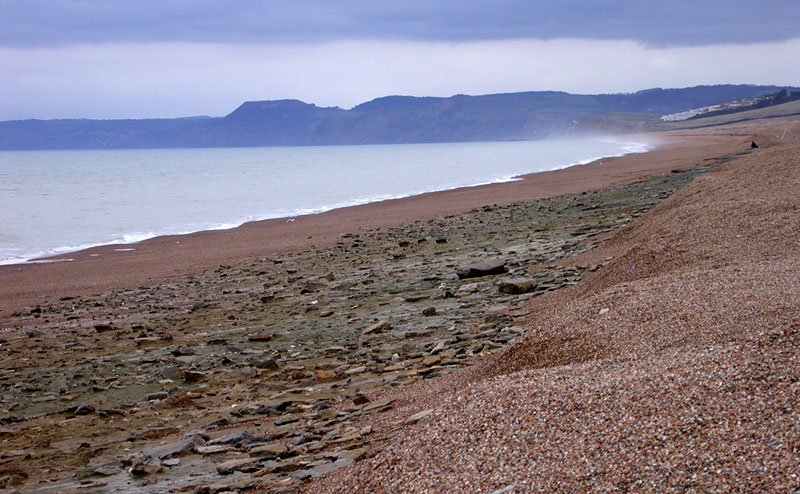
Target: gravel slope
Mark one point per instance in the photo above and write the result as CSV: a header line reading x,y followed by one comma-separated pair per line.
x,y
675,368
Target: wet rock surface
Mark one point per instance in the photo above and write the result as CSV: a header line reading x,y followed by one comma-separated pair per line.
x,y
260,375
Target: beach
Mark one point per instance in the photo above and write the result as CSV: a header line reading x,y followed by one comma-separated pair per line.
x,y
105,267
483,339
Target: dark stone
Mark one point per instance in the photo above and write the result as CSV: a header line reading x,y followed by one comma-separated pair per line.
x,y
181,351
84,410
192,376
182,447
240,437
515,286
270,363
485,268
103,328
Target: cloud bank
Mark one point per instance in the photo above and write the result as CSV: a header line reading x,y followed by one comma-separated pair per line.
x,y
654,22
168,79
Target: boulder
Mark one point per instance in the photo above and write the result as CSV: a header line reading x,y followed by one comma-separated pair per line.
x,y
378,327
516,286
269,451
485,268
239,437
238,465
182,447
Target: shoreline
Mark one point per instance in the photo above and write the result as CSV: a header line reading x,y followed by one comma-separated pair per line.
x,y
61,253
113,266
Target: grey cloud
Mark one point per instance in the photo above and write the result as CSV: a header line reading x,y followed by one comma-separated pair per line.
x,y
179,79
655,22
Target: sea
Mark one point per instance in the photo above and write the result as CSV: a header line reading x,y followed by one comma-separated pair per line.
x,y
55,202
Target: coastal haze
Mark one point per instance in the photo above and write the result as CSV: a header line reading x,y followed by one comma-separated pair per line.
x,y
390,119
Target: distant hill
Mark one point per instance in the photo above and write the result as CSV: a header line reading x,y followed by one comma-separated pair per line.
x,y
391,119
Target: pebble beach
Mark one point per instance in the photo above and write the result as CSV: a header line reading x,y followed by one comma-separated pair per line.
x,y
626,325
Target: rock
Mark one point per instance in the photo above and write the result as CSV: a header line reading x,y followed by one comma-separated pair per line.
x,y
239,437
171,372
268,408
161,395
312,286
103,328
353,454
324,375
145,467
188,359
324,469
432,360
379,405
497,315
180,448
378,327
104,470
159,432
505,490
485,268
360,399
516,286
355,370
14,453
270,363
182,351
84,410
417,417
418,333
430,311
212,450
190,376
238,465
279,467
269,451
286,419
439,347
178,400
603,311
259,337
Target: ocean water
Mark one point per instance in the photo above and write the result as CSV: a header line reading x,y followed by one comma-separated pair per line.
x,y
52,202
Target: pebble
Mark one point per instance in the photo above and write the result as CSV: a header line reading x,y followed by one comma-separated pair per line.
x,y
417,417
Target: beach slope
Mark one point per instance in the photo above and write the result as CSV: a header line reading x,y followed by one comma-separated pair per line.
x,y
673,368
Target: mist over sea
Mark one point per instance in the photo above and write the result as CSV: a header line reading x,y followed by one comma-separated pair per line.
x,y
52,202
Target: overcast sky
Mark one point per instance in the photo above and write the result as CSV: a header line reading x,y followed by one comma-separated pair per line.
x,y
165,58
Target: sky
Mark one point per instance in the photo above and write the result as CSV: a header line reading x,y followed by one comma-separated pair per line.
x,y
170,58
